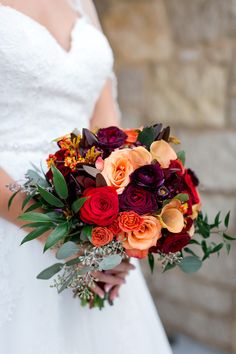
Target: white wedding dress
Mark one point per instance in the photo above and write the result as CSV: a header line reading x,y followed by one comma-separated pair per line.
x,y
44,93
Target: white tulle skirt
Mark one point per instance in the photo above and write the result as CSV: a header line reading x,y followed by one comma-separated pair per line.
x,y
34,319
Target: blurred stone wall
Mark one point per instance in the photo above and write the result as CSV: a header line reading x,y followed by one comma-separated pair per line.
x,y
176,64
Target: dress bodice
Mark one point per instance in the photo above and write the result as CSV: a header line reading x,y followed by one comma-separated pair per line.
x,y
45,91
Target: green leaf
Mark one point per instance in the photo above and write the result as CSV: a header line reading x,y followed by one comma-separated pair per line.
x,y
193,242
229,238
183,197
50,271
181,156
217,248
26,201
78,204
226,221
169,266
188,250
50,198
147,136
35,234
59,183
190,264
217,219
35,217
86,233
151,261
67,250
38,224
228,248
33,207
110,262
58,234
11,199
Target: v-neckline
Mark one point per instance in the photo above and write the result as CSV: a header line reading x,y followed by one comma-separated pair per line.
x,y
78,19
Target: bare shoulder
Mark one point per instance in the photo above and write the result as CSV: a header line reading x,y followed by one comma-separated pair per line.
x,y
90,10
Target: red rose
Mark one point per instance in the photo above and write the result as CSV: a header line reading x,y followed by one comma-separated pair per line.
x,y
192,188
172,243
101,207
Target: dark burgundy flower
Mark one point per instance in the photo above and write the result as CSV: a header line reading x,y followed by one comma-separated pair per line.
x,y
150,176
59,163
111,137
138,199
172,242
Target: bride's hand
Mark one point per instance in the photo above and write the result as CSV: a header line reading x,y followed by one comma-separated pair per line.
x,y
113,279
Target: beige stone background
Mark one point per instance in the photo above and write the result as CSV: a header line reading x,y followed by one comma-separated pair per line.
x,y
176,64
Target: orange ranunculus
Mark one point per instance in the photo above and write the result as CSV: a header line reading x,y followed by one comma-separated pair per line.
x,y
132,135
130,221
171,217
163,153
117,169
101,236
140,157
144,238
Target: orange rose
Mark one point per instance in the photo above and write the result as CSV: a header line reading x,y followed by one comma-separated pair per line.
x,y
130,221
163,153
144,238
117,169
101,236
132,135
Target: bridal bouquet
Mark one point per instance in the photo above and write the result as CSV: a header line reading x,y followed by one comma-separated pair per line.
x,y
113,194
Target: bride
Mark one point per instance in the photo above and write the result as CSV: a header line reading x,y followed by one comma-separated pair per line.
x,y
56,75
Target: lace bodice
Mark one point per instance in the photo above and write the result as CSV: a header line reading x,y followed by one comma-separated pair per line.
x,y
44,90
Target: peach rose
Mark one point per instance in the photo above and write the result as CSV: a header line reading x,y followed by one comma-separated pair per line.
x,y
144,238
140,157
163,153
101,236
132,135
130,221
117,169
171,217
137,253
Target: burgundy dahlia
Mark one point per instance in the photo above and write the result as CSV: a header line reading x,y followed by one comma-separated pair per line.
x,y
149,176
138,199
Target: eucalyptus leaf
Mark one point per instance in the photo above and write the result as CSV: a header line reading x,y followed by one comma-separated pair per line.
x,y
190,264
36,178
59,183
110,262
66,283
68,249
50,271
35,234
58,234
50,198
